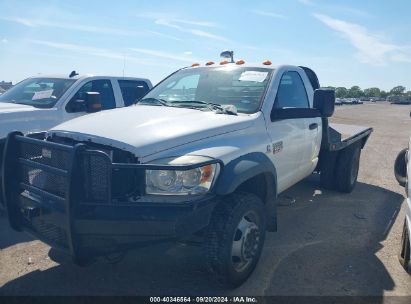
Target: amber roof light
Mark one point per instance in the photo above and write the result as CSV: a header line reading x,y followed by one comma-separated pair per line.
x,y
195,65
210,63
267,62
239,62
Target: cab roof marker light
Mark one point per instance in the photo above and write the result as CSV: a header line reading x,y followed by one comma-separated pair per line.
x,y
223,62
239,62
210,63
195,65
267,62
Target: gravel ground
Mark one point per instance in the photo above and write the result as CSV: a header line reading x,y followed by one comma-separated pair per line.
x,y
327,243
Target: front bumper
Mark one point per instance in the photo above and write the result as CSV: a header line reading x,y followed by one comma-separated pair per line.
x,y
64,196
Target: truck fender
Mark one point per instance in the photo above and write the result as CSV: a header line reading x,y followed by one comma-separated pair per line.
x,y
244,168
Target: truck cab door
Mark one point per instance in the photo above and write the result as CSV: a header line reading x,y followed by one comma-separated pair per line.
x,y
290,147
102,86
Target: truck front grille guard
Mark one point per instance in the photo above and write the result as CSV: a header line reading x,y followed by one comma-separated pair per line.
x,y
62,177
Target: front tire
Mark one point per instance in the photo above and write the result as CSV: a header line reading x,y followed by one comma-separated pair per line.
x,y
404,255
235,237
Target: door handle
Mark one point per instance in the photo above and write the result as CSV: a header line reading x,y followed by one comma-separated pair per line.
x,y
313,126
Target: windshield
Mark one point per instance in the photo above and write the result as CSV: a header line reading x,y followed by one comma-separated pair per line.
x,y
37,92
242,87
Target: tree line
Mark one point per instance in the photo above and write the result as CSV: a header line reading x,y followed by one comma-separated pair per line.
x,y
357,92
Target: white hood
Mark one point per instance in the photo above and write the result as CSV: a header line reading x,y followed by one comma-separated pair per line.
x,y
145,130
6,107
23,118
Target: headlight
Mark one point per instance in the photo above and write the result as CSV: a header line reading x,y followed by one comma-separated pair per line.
x,y
175,182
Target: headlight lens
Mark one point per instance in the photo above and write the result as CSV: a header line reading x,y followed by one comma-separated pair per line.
x,y
173,182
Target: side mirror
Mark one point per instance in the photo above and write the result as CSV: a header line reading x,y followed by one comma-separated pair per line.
x,y
324,101
93,102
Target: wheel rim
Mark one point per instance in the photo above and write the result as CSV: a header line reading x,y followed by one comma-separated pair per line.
x,y
246,242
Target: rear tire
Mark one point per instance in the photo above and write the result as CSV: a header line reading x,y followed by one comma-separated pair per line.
x,y
400,167
235,237
404,255
347,167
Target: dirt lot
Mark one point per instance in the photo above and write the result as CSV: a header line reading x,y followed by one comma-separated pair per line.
x,y
327,243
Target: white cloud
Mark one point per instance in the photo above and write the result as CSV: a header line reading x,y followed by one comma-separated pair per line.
x,y
196,32
196,23
164,35
22,21
90,51
337,8
371,48
306,2
157,15
68,26
188,53
166,55
4,40
269,14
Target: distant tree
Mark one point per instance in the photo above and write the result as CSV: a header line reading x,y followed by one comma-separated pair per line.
x,y
408,93
384,94
341,92
398,90
372,92
355,92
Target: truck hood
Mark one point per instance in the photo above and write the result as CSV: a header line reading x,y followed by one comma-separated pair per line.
x,y
6,107
145,130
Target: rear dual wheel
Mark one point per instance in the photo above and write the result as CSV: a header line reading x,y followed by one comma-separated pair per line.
x,y
347,169
341,172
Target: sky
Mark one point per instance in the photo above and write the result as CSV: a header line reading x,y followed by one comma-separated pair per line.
x,y
365,43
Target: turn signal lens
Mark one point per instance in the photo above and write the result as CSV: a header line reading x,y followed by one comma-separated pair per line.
x,y
240,62
267,62
207,173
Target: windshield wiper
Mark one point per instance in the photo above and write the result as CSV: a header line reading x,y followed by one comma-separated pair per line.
x,y
213,106
155,100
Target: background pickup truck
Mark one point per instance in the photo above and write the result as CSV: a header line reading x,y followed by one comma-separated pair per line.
x,y
203,155
40,103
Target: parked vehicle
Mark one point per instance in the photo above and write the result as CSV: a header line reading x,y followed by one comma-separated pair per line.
x,y
203,155
40,103
351,101
399,99
338,101
402,169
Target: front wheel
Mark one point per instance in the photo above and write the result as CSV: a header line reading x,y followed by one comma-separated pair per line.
x,y
235,238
